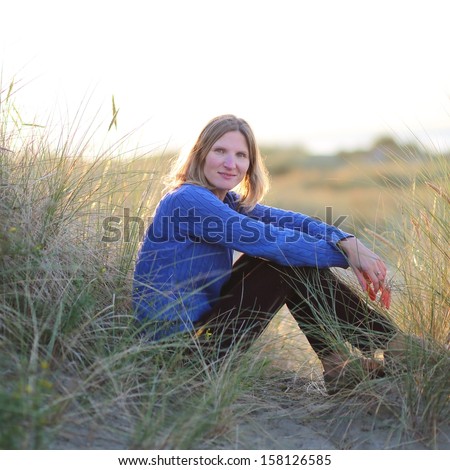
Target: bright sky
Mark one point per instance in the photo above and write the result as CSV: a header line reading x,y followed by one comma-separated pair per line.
x,y
329,74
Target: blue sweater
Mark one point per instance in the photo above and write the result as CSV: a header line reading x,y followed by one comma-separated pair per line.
x,y
187,252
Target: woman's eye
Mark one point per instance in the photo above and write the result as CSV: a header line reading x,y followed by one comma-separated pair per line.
x,y
242,155
219,150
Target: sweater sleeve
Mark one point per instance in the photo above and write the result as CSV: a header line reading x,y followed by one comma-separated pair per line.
x,y
297,221
198,215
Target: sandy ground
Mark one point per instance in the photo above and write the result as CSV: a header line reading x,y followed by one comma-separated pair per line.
x,y
307,419
296,412
291,410
293,413
308,422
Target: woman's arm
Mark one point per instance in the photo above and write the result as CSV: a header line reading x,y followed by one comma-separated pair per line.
x,y
297,221
369,269
198,214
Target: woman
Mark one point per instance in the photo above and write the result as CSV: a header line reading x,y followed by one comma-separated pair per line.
x,y
185,279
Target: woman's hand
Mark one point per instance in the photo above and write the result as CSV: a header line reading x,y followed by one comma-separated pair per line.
x,y
369,269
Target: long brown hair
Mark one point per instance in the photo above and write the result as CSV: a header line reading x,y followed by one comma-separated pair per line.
x,y
190,169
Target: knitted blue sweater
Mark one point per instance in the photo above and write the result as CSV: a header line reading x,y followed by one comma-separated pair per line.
x,y
187,252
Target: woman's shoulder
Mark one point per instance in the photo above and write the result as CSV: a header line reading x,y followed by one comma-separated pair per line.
x,y
188,194
188,190
193,195
191,188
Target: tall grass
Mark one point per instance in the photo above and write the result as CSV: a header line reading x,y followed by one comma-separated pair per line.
x,y
415,395
73,372
423,306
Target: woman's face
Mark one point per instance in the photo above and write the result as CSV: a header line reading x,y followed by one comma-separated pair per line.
x,y
227,163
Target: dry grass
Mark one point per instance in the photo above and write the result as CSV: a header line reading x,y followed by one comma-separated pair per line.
x,y
74,374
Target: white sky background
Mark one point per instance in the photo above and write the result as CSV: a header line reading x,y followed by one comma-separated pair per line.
x,y
329,74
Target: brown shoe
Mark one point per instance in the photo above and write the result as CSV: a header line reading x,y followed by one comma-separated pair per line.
x,y
406,353
344,374
398,348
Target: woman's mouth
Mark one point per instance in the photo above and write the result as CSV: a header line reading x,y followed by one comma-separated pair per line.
x,y
227,175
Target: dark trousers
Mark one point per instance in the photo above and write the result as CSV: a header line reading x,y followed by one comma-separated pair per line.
x,y
327,310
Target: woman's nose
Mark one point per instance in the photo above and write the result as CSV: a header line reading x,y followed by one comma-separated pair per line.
x,y
229,161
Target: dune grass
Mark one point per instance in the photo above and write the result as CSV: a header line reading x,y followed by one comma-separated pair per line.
x,y
71,364
73,372
422,287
